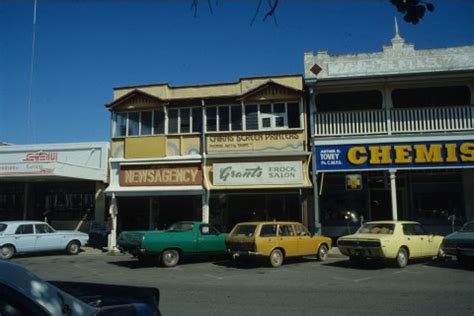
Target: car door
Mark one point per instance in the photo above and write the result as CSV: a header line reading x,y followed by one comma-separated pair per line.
x,y
412,240
210,240
306,244
428,246
24,238
46,238
288,240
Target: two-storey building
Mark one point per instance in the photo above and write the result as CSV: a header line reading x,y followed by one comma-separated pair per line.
x,y
220,153
392,135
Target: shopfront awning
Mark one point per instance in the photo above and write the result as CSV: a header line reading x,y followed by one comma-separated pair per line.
x,y
155,190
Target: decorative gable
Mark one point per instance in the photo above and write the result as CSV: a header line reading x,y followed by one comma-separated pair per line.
x,y
136,100
271,91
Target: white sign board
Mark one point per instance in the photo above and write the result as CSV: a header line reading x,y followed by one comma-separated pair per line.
x,y
258,173
79,160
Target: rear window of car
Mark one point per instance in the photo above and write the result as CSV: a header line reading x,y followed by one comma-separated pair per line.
x,y
2,227
469,227
370,228
244,230
181,227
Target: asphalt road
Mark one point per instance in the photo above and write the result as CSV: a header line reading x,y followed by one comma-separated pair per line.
x,y
301,287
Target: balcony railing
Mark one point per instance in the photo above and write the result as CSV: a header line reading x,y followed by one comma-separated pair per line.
x,y
395,121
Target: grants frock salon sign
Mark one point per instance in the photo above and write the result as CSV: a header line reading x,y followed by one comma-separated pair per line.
x,y
258,173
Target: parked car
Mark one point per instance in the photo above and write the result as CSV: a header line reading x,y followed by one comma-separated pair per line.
x,y
397,240
23,293
461,244
180,239
34,236
275,241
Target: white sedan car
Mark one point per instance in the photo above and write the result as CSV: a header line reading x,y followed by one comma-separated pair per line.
x,y
34,236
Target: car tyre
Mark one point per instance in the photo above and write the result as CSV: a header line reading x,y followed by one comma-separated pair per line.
x,y
6,252
402,258
73,248
322,253
170,258
276,258
463,261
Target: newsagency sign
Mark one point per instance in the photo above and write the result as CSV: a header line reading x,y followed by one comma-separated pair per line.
x,y
258,173
406,155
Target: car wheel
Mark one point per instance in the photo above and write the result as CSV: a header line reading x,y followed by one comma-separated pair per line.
x,y
402,258
170,258
73,248
322,253
276,258
6,252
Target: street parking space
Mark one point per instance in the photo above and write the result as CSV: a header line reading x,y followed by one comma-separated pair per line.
x,y
305,286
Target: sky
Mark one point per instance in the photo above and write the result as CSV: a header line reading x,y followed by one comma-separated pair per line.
x,y
85,48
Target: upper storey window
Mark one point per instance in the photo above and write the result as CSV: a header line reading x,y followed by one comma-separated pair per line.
x,y
144,123
270,116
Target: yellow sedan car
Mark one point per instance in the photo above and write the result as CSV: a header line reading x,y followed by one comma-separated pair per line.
x,y
275,241
396,240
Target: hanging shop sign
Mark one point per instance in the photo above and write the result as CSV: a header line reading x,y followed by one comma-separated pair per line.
x,y
258,173
160,175
353,182
406,155
261,142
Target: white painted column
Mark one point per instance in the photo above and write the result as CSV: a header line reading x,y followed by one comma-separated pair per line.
x,y
205,207
393,190
113,211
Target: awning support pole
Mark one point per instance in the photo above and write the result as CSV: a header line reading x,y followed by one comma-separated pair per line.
x,y
393,190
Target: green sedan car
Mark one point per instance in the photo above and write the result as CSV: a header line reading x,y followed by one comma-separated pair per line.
x,y
461,244
168,246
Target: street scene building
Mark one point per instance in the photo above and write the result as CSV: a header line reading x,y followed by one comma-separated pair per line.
x,y
62,184
392,136
220,153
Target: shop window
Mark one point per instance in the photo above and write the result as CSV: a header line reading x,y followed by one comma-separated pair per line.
x,y
197,120
172,121
158,122
251,117
133,123
146,123
270,116
120,124
294,115
236,118
223,118
185,120
211,119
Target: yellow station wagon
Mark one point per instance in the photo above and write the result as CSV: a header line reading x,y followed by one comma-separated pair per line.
x,y
398,240
275,241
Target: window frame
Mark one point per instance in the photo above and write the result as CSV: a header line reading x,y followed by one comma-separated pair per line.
x,y
273,116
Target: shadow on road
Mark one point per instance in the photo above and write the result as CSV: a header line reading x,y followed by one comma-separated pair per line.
x,y
134,263
369,264
259,263
451,264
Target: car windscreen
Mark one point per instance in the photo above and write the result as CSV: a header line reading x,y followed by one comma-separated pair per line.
x,y
181,227
469,227
244,230
376,228
2,227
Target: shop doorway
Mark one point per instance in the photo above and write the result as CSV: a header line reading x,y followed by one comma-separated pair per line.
x,y
381,204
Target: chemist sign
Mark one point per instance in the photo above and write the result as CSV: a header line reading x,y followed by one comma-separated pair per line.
x,y
406,155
